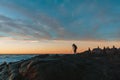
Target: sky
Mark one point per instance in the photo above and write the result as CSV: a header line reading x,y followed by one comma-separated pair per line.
x,y
51,26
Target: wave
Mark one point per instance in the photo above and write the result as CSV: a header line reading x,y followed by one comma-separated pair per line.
x,y
13,58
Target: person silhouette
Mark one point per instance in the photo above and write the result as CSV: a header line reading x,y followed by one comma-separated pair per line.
x,y
74,48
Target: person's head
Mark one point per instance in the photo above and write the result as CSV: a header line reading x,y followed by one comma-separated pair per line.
x,y
73,43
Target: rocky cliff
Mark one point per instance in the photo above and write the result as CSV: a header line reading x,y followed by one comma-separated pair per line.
x,y
63,67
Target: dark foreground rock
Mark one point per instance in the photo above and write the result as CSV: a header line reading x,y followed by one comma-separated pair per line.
x,y
65,67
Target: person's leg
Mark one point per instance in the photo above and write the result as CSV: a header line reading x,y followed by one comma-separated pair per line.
x,y
74,51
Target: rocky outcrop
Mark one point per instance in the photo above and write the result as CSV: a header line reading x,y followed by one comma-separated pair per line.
x,y
65,67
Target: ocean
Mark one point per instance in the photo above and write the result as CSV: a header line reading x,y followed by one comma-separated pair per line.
x,y
13,58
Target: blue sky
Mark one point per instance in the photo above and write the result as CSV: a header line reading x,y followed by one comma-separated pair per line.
x,y
60,19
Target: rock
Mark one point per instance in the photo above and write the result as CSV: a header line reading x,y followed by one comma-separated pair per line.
x,y
65,67
15,76
3,65
52,71
23,67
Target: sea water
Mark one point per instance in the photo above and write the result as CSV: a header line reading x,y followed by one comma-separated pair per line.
x,y
13,58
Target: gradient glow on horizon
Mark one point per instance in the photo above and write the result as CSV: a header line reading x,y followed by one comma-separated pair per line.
x,y
50,46
52,26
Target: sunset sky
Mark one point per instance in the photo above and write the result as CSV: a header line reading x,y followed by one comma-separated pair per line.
x,y
51,26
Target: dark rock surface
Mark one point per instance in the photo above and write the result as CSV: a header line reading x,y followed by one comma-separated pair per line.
x,y
65,67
